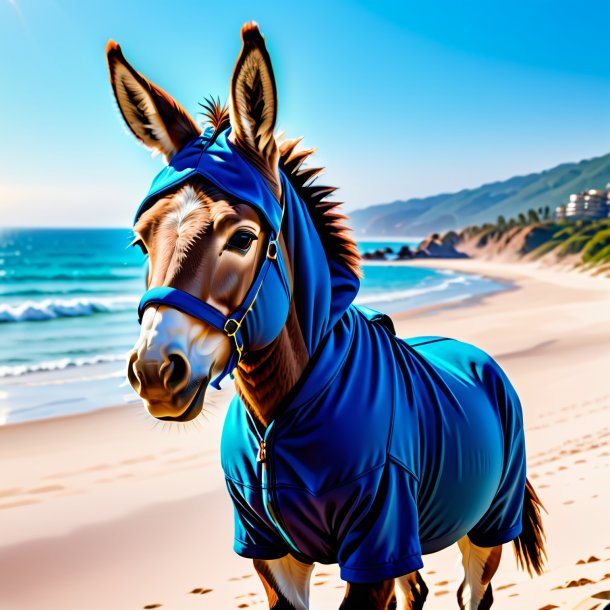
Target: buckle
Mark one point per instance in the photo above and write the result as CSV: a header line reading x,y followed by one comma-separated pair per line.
x,y
231,327
272,250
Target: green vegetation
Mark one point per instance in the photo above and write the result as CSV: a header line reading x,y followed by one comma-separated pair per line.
x,y
597,249
572,245
566,238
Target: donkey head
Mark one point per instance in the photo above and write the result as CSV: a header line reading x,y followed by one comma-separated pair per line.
x,y
199,239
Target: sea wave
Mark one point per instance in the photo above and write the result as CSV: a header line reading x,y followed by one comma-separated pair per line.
x,y
69,277
58,365
400,295
37,292
50,309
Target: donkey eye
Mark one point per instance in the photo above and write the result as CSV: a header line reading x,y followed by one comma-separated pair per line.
x,y
241,241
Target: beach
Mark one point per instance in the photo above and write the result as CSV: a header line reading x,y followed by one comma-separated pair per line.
x,y
110,509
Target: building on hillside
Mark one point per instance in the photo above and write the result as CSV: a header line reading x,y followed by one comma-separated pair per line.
x,y
591,204
575,207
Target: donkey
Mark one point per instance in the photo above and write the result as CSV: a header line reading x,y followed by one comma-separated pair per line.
x,y
344,443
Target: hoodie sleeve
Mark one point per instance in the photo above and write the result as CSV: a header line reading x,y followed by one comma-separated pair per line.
x,y
253,538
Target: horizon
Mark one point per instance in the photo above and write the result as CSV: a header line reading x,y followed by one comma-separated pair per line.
x,y
465,96
360,237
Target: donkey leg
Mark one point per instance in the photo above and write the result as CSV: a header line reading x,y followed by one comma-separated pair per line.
x,y
411,592
480,564
368,596
286,582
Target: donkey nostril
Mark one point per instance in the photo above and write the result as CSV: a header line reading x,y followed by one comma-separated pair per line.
x,y
176,373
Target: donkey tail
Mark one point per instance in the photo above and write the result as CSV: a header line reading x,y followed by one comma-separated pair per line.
x,y
530,544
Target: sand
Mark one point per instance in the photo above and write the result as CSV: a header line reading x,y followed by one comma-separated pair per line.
x,y
111,510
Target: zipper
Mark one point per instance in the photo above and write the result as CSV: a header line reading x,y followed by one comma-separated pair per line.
x,y
261,456
268,484
269,497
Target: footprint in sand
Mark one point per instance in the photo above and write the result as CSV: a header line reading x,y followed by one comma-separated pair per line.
x,y
200,591
46,489
13,491
581,582
138,460
592,559
548,607
17,503
597,601
150,606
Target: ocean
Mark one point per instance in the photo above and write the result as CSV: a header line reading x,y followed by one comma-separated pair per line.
x,y
68,300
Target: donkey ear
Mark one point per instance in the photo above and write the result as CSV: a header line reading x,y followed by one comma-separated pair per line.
x,y
253,104
153,116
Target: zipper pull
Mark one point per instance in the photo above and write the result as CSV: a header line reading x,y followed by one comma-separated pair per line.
x,y
262,453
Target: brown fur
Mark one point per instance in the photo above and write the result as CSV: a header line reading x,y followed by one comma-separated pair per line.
x,y
264,377
253,107
179,125
180,256
276,599
368,596
417,592
216,114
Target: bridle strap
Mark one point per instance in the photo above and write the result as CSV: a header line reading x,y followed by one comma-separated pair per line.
x,y
183,301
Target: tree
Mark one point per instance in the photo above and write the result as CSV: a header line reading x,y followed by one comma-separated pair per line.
x,y
532,217
521,219
501,222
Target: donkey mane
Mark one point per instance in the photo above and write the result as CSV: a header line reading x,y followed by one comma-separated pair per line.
x,y
335,235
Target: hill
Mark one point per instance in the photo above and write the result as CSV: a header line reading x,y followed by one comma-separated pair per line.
x,y
581,244
551,187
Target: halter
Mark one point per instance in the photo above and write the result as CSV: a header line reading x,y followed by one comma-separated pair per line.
x,y
273,296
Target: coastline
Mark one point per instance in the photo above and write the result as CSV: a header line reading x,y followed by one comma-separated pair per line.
x,y
70,384
110,509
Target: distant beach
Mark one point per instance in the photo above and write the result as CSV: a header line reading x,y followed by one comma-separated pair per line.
x,y
68,300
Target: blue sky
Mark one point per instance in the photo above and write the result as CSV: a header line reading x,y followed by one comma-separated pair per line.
x,y
401,99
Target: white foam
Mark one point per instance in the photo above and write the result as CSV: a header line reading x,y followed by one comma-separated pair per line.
x,y
49,309
58,365
400,295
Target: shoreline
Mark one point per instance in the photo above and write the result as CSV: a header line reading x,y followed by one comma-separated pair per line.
x,y
113,497
93,385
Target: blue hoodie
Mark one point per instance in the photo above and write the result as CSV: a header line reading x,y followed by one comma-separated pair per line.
x,y
386,449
